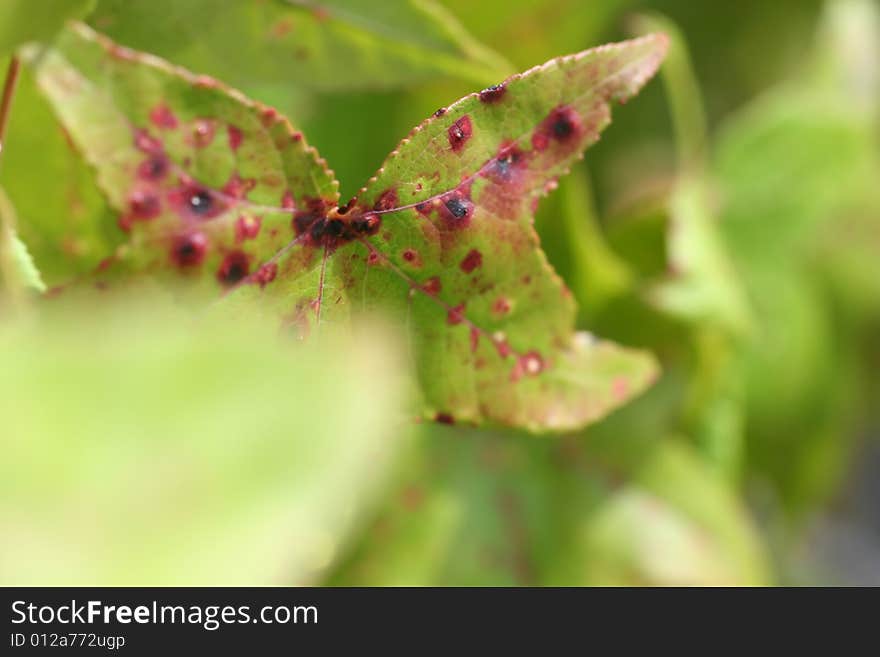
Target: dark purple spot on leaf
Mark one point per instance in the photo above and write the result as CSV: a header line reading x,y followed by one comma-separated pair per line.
x,y
235,266
189,250
457,210
367,224
562,125
459,132
197,202
444,418
155,167
493,94
387,201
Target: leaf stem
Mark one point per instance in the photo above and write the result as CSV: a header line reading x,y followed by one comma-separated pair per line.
x,y
8,93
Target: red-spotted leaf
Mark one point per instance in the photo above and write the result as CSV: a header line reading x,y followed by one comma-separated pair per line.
x,y
204,179
219,191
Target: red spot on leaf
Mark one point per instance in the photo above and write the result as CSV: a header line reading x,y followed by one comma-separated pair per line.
x,y
412,257
145,142
444,418
237,187
266,274
281,28
235,136
162,117
235,266
387,201
268,116
247,227
455,315
154,168
493,94
475,338
530,364
471,261
459,132
620,388
508,175
287,201
501,306
563,125
144,205
432,286
189,250
203,132
501,345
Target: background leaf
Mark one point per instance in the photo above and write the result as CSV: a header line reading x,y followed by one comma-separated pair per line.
x,y
317,45
483,509
19,22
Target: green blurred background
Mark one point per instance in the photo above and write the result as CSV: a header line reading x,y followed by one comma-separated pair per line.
x,y
729,220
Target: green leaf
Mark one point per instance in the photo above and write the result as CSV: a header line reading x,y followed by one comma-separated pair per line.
x,y
164,453
319,45
68,227
441,237
483,509
21,21
672,525
17,270
703,285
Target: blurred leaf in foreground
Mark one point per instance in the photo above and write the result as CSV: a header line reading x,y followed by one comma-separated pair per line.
x,y
138,449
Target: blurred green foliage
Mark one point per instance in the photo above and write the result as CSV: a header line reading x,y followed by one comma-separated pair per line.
x,y
729,221
143,447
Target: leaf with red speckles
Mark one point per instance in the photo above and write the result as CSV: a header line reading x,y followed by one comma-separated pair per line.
x,y
203,179
466,183
441,238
